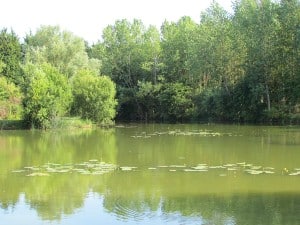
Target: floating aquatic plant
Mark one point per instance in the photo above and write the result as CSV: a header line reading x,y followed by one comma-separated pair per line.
x,y
178,132
127,168
200,167
254,172
195,170
295,173
38,174
93,167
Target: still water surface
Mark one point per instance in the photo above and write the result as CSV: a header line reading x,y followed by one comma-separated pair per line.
x,y
151,174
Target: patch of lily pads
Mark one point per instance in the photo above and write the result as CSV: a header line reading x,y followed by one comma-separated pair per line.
x,y
92,167
229,169
95,167
178,132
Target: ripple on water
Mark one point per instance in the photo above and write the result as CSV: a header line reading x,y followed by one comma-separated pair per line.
x,y
137,213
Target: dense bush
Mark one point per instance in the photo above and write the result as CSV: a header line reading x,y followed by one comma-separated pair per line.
x,y
94,97
47,97
10,100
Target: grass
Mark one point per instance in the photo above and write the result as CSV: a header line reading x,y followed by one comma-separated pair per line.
x,y
72,123
12,125
60,123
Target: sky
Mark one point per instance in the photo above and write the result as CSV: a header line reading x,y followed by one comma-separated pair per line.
x,y
88,18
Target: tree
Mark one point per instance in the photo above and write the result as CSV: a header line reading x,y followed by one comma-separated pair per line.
x,y
47,97
10,56
130,53
287,56
61,49
148,96
176,102
258,25
179,50
221,56
94,97
10,100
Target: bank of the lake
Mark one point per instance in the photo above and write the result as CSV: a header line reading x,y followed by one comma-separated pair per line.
x,y
61,123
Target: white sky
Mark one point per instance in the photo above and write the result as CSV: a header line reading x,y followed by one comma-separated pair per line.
x,y
87,18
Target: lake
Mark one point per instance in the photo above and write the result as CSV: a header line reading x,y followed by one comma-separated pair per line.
x,y
151,174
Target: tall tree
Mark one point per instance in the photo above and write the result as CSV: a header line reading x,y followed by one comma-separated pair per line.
x,y
178,49
287,55
258,24
130,53
10,56
61,49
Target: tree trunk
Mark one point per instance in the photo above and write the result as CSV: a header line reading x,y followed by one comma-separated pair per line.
x,y
268,97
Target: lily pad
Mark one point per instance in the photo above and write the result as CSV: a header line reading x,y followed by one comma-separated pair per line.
x,y
232,169
254,172
193,170
256,167
200,167
229,165
295,173
18,171
38,175
178,166
217,167
268,168
127,168
269,172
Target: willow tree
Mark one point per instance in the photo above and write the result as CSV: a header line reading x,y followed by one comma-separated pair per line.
x,y
62,49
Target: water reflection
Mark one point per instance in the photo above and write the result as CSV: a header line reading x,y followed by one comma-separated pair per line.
x,y
142,195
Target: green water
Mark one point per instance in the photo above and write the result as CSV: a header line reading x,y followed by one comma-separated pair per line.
x,y
151,174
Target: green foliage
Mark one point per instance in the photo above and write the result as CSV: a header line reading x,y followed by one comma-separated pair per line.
x,y
129,53
70,123
10,56
240,67
94,97
61,49
148,98
10,100
176,103
47,97
179,50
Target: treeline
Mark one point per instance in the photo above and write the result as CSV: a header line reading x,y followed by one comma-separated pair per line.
x,y
241,67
